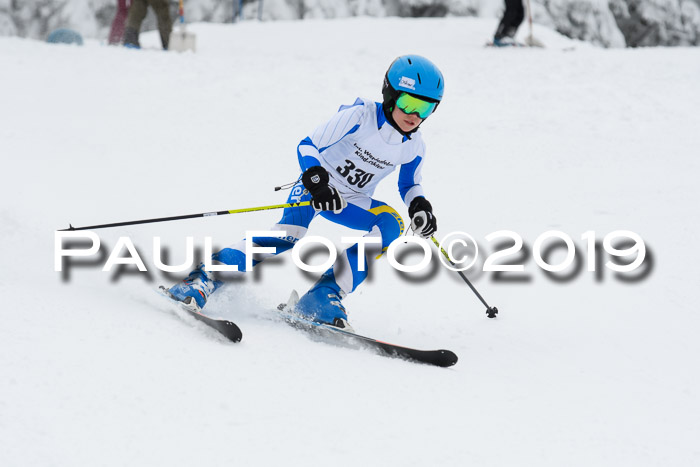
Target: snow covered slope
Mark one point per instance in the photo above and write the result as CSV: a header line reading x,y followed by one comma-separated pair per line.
x,y
97,371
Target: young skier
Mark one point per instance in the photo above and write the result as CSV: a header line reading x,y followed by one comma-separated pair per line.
x,y
342,162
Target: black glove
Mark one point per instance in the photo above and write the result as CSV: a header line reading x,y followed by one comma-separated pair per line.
x,y
323,196
423,221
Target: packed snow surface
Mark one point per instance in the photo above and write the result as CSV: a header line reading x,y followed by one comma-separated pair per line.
x,y
593,370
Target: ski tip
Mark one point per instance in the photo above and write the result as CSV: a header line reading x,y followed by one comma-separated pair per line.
x,y
446,358
231,331
293,298
165,292
291,302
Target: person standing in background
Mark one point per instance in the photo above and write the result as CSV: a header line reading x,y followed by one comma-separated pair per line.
x,y
511,20
117,30
137,12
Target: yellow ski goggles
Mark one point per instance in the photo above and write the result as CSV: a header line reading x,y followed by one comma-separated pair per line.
x,y
412,105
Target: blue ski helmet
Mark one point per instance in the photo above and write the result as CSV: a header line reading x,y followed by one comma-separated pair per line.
x,y
414,75
65,36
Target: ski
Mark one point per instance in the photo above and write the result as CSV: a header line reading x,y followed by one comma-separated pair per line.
x,y
228,329
506,46
442,358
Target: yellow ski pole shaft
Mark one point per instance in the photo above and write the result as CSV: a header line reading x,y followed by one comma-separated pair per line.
x,y
189,216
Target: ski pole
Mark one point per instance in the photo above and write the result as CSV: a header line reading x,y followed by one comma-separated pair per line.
x,y
531,41
189,216
491,311
529,21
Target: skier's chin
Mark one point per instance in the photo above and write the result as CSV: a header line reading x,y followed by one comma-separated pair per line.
x,y
408,126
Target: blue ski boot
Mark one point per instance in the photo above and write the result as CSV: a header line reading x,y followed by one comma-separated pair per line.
x,y
322,303
195,289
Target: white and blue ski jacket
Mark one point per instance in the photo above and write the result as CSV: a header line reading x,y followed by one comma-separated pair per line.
x,y
359,147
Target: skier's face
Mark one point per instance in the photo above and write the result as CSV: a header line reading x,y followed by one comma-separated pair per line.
x,y
407,122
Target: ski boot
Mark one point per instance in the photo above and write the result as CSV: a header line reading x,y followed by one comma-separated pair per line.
x,y
322,303
194,291
131,38
506,41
